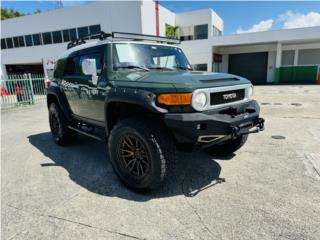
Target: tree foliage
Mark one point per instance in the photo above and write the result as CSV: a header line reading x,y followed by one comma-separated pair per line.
x,y
171,31
10,13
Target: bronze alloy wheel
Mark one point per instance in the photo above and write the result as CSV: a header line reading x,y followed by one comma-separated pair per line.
x,y
133,155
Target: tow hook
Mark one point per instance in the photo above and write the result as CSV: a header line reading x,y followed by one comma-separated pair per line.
x,y
238,130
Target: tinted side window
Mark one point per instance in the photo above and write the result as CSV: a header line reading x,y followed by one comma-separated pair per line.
x,y
47,39
3,44
73,34
59,68
36,39
72,66
57,38
201,31
66,36
21,41
9,43
28,40
83,32
16,42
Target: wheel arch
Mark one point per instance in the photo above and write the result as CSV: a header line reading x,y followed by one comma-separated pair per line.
x,y
55,96
120,110
121,103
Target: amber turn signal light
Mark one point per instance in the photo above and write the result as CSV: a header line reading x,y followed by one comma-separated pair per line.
x,y
175,99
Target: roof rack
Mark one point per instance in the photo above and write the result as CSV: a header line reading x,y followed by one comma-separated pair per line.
x,y
123,35
144,37
102,35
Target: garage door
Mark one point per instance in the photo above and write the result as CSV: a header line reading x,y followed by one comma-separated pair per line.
x,y
250,65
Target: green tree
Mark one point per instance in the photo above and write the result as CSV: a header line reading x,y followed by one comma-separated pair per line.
x,y
171,31
6,14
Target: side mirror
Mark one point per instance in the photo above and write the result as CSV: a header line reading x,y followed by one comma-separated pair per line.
x,y
89,67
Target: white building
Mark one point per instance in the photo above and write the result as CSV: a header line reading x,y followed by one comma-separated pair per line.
x,y
32,43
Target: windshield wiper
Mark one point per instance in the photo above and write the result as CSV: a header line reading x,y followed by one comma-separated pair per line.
x,y
134,66
183,68
161,68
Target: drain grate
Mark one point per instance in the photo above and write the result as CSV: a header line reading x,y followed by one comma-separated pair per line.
x,y
278,137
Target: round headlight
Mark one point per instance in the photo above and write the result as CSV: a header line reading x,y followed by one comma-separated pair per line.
x,y
199,101
250,92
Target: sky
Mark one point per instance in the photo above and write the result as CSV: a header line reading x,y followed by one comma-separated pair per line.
x,y
238,17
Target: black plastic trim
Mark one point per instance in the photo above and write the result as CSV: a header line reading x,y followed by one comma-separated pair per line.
x,y
185,126
62,101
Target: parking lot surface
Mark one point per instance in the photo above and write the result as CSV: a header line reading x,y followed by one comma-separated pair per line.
x,y
270,189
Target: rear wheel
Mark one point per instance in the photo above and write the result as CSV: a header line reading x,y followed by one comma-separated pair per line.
x,y
59,126
141,154
228,147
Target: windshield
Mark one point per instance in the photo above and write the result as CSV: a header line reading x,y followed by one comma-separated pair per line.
x,y
148,57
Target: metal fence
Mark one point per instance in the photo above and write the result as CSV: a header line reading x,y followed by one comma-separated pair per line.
x,y
22,89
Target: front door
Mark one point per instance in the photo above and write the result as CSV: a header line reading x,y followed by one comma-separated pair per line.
x,y
86,99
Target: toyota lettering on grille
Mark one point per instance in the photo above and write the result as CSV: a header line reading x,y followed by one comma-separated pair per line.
x,y
229,96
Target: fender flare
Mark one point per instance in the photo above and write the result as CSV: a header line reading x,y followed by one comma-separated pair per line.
x,y
142,98
62,101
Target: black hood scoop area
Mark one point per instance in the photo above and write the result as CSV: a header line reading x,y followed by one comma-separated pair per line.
x,y
220,79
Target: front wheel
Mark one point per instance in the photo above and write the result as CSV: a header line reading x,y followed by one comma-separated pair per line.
x,y
228,147
141,154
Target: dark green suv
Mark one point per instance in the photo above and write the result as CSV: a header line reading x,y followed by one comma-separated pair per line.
x,y
147,102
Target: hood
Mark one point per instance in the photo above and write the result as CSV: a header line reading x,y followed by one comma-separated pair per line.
x,y
185,81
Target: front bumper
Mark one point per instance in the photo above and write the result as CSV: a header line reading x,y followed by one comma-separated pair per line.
x,y
214,126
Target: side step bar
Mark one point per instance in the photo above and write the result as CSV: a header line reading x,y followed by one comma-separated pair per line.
x,y
87,134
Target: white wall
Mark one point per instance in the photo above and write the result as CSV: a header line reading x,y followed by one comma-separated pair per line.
x,y
198,51
166,17
216,20
271,66
112,16
148,16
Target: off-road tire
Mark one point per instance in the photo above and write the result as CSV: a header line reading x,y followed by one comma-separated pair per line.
x,y
228,147
59,126
158,144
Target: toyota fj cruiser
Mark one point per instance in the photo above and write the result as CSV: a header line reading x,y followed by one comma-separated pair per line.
x,y
140,91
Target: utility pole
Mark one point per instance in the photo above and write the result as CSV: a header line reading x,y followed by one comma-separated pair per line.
x,y
59,4
157,17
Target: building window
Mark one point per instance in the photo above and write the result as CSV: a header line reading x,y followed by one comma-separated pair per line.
x,y
287,58
73,34
36,39
200,67
28,39
16,42
186,33
21,41
83,32
57,37
186,38
201,31
3,44
94,30
66,36
309,56
9,43
46,37
216,31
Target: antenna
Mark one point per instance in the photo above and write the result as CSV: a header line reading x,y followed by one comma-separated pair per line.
x,y
59,4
